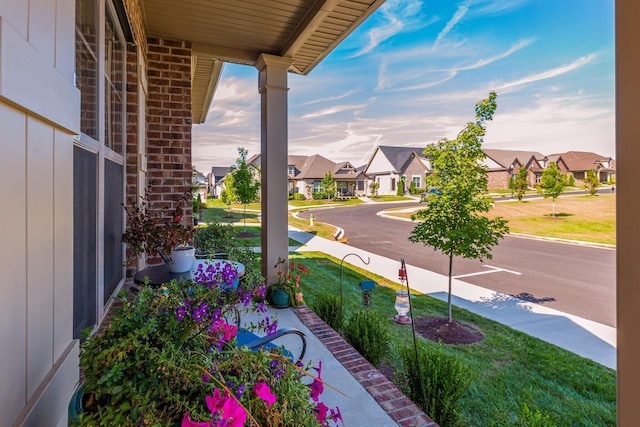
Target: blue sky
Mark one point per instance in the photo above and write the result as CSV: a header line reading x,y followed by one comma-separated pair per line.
x,y
411,74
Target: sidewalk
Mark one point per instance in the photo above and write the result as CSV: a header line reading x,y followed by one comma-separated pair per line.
x,y
583,337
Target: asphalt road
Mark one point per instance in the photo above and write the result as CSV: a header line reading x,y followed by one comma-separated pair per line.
x,y
576,279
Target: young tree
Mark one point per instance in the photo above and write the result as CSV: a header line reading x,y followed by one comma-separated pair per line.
x,y
400,187
452,221
592,182
229,195
519,185
552,184
246,187
328,185
373,188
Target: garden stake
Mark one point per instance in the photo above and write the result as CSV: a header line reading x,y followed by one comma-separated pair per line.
x,y
405,278
341,306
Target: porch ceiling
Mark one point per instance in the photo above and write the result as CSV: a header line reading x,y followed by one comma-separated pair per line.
x,y
239,31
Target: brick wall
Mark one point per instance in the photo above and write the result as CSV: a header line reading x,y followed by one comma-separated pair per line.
x,y
398,406
169,122
498,180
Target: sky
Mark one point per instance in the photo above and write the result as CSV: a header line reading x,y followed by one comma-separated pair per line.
x,y
411,74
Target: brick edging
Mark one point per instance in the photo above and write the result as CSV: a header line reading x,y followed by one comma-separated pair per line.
x,y
398,406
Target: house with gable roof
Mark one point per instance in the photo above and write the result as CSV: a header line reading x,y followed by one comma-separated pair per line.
x,y
577,163
503,165
389,164
305,173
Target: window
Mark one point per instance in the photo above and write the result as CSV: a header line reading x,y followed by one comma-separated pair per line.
x,y
417,181
87,65
317,186
114,83
290,170
98,160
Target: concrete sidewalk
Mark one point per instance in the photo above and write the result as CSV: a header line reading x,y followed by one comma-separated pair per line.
x,y
583,337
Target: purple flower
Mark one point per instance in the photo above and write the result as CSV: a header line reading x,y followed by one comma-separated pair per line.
x,y
240,391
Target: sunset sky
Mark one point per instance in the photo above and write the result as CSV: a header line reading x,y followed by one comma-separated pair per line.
x,y
412,73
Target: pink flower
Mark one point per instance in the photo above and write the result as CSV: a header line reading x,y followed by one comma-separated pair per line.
x,y
321,412
316,386
316,389
230,331
186,422
215,402
263,391
233,414
299,296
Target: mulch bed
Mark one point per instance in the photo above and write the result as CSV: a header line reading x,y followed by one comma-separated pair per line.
x,y
439,329
246,234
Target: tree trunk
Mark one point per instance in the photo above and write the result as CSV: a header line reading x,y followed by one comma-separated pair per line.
x,y
449,296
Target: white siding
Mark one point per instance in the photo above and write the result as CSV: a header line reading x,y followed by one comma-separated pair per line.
x,y
39,113
379,164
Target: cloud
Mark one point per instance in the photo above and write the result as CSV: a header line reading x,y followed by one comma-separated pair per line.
x,y
438,76
554,72
396,16
460,12
494,7
333,110
332,98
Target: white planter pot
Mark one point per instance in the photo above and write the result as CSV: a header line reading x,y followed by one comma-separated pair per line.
x,y
182,259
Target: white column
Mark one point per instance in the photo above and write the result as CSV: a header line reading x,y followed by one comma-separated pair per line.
x,y
273,97
628,204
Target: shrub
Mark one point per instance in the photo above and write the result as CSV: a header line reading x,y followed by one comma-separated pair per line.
x,y
525,418
368,333
444,381
320,195
299,196
327,307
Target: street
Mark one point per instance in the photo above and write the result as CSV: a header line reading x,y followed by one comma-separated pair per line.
x,y
576,279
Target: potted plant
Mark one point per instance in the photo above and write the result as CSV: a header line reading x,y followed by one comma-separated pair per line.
x,y
158,232
169,358
287,290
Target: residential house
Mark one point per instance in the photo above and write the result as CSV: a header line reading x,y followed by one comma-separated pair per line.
x,y
305,174
388,165
97,103
503,165
577,163
215,180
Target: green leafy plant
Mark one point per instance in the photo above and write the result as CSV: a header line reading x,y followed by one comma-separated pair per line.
x,y
327,307
552,184
368,333
592,182
245,186
169,355
444,381
453,221
156,231
288,275
519,184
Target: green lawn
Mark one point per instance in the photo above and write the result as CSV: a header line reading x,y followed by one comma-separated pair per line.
x,y
582,218
509,368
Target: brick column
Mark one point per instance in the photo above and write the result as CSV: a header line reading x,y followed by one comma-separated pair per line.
x,y
169,122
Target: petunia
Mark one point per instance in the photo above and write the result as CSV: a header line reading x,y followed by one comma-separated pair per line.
x,y
263,391
321,412
316,389
186,422
233,414
215,402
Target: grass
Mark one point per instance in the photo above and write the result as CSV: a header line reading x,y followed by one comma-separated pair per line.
x,y
390,198
582,218
509,368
